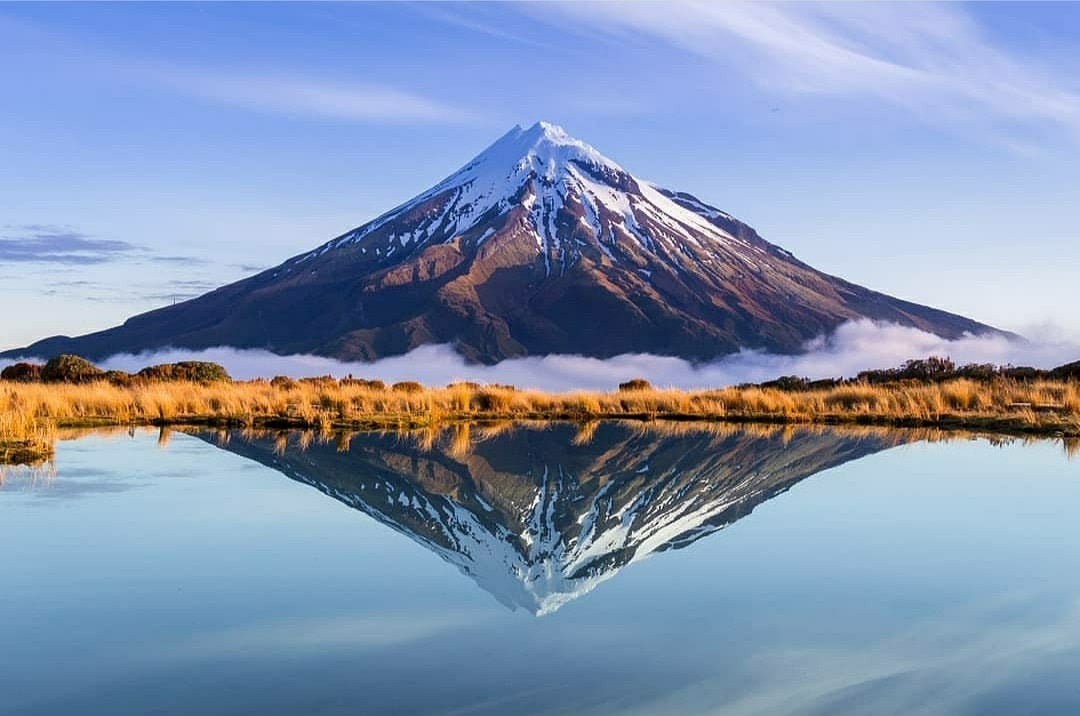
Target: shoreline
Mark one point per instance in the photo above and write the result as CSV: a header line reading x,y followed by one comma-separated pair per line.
x,y
31,414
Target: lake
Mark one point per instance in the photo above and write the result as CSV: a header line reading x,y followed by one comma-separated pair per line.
x,y
542,569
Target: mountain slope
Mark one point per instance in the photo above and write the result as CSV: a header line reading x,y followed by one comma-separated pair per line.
x,y
539,245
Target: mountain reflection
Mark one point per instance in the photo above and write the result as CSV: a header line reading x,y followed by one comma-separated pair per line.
x,y
540,514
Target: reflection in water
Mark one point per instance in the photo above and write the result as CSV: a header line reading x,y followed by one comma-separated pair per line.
x,y
183,579
540,514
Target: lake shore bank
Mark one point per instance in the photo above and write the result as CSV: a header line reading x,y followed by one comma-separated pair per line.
x,y
31,413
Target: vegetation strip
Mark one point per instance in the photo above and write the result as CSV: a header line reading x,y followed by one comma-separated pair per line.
x,y
920,394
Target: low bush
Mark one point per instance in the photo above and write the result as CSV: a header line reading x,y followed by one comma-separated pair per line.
x,y
67,368
1069,371
119,377
635,384
320,381
363,383
1023,373
195,371
978,371
788,382
923,370
22,373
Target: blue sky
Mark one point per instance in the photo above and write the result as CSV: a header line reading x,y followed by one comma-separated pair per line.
x,y
150,152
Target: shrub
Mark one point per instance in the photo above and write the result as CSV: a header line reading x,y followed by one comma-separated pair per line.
x,y
203,371
1023,373
119,377
362,383
407,386
283,382
1069,371
22,373
635,384
978,371
927,369
322,381
787,382
195,371
67,368
465,384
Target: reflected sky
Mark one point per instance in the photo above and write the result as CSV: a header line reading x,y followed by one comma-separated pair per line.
x,y
916,578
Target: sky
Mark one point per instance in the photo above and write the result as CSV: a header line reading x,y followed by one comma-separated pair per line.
x,y
151,152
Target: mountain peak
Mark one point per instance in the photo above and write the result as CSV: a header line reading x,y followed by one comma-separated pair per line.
x,y
543,148
543,131
550,130
542,169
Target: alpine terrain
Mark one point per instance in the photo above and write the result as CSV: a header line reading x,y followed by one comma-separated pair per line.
x,y
539,245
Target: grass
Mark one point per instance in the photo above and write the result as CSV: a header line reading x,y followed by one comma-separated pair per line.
x,y
31,413
24,438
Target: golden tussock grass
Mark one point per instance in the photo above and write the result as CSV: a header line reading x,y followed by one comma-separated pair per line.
x,y
30,413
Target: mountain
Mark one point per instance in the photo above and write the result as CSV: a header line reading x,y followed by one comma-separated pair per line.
x,y
539,245
540,515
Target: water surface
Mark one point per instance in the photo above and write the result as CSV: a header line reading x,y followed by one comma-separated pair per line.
x,y
544,569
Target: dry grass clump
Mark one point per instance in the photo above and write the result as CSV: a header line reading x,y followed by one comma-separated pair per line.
x,y
25,438
30,412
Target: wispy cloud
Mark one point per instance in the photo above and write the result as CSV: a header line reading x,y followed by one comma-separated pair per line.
x,y
475,18
298,95
179,260
42,243
55,244
287,90
105,292
177,290
934,61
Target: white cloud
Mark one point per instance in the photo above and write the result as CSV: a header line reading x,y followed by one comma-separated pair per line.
x,y
855,346
299,95
932,60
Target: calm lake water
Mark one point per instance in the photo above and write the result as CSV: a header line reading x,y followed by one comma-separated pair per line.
x,y
542,570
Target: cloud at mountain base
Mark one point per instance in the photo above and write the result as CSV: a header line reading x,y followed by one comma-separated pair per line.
x,y
855,346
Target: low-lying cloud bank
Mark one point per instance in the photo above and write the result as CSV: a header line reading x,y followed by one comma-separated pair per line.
x,y
855,346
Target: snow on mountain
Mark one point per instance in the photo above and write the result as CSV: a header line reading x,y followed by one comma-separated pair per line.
x,y
548,172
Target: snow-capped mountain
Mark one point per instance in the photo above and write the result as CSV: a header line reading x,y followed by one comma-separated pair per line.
x,y
538,516
538,245
548,176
